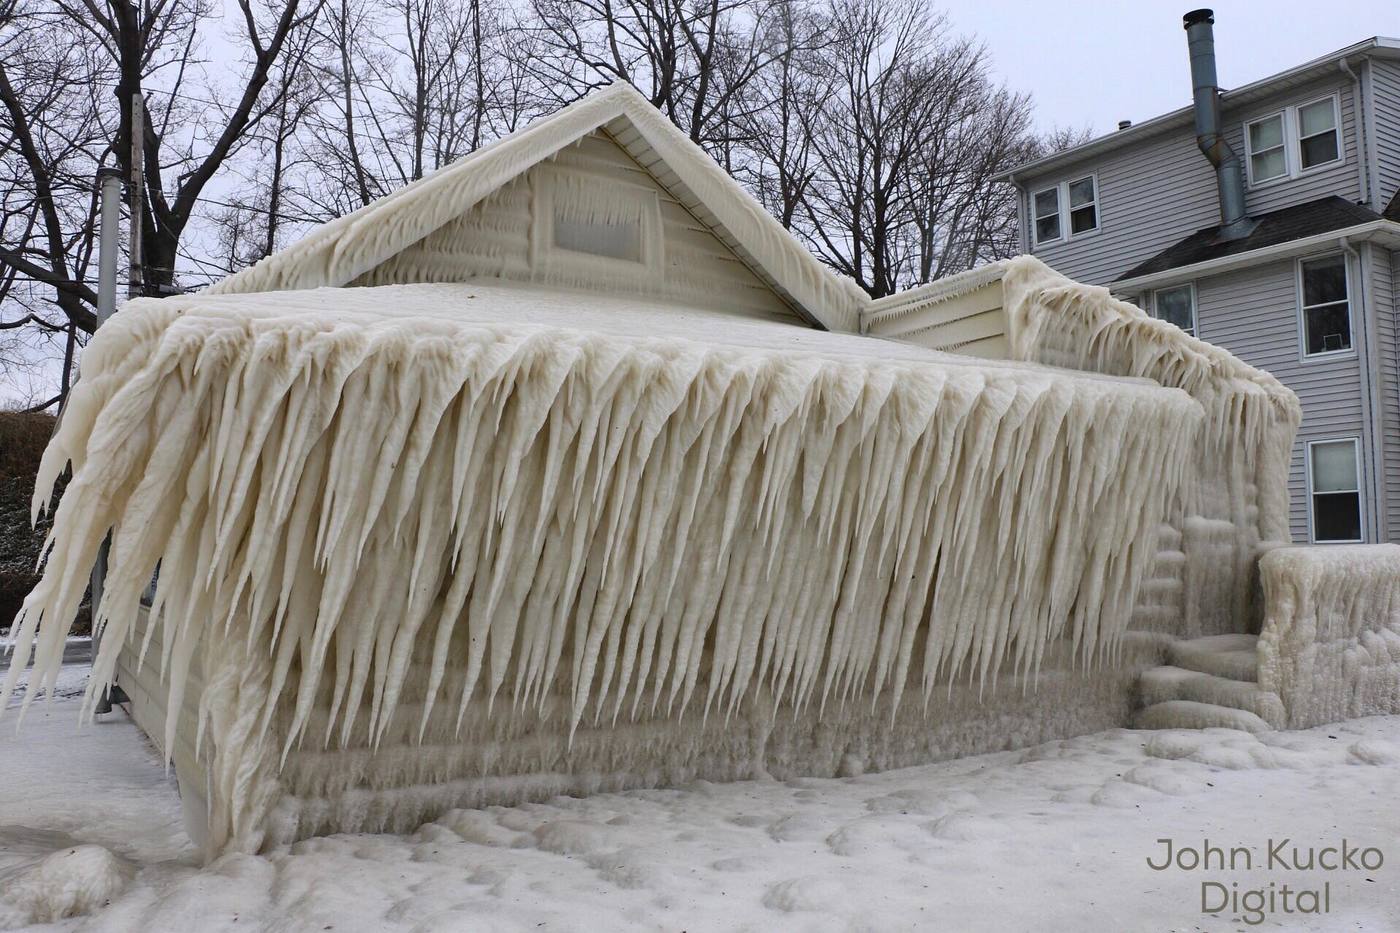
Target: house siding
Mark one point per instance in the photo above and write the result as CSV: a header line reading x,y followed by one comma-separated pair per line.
x,y
1385,83
1162,189
1342,178
1253,313
493,241
1150,195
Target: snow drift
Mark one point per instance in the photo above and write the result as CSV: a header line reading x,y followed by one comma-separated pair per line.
x,y
444,511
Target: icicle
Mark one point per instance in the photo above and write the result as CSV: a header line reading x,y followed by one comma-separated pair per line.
x,y
385,516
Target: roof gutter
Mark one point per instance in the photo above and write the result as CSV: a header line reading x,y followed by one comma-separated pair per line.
x,y
1363,133
1023,235
1387,230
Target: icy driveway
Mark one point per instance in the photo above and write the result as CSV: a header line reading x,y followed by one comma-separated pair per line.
x,y
1049,839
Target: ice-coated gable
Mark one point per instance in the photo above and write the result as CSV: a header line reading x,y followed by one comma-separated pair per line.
x,y
341,251
591,219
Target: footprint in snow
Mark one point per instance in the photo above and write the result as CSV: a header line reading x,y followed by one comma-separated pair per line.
x,y
809,892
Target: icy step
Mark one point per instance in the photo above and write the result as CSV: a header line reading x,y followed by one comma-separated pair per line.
x,y
1160,591
1188,714
1168,562
1167,683
1235,657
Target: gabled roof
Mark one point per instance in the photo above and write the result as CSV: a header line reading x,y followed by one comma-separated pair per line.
x,y
338,251
1281,226
1377,46
1392,210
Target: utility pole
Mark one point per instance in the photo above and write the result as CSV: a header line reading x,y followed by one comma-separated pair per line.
x,y
109,186
135,191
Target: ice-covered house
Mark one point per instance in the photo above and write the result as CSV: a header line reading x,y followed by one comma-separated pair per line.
x,y
567,468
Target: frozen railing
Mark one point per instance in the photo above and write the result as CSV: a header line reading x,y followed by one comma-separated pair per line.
x,y
1330,645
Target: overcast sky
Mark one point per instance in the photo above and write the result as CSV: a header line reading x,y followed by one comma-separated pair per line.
x,y
1093,64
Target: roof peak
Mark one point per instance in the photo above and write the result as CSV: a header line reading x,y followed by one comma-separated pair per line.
x,y
340,250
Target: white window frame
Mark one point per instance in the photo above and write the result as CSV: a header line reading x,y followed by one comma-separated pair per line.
x,y
1293,143
1062,203
1303,355
1191,286
1336,128
1249,153
1360,491
1059,215
1069,208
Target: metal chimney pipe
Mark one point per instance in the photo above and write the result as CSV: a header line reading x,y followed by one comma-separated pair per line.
x,y
1200,40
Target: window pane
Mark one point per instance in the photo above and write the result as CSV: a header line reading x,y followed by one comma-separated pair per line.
x,y
1319,149
1334,466
1266,134
1316,118
1047,228
1082,219
1337,517
1081,192
1047,202
1325,280
1329,328
620,240
1266,165
1174,306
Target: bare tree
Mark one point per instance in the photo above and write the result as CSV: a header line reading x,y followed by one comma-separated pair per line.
x,y
867,127
69,71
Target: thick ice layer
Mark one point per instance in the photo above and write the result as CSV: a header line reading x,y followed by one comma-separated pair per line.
x,y
1237,506
484,503
1330,646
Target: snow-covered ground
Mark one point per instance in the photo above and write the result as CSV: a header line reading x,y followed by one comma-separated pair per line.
x,y
1052,838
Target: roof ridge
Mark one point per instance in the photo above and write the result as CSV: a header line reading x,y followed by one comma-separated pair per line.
x,y
340,250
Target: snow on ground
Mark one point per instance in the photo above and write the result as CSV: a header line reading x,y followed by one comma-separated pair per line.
x,y
1052,838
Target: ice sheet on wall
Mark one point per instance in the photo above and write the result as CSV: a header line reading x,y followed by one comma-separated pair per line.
x,y
508,513
602,510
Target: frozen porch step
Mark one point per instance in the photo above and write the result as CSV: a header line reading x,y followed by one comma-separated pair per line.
x,y
1232,657
1188,714
1167,683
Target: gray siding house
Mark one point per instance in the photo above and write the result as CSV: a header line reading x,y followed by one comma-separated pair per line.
x,y
1304,280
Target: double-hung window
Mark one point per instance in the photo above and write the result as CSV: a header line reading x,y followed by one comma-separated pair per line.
x,y
1047,215
1066,210
1268,156
1176,305
1334,490
1325,304
1293,141
1317,133
1083,206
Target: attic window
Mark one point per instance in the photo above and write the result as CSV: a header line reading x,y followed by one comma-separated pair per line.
x,y
618,238
584,218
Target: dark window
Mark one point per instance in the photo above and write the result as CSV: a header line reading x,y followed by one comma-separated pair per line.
x,y
1176,305
1083,206
1326,309
1317,133
1336,491
1047,215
